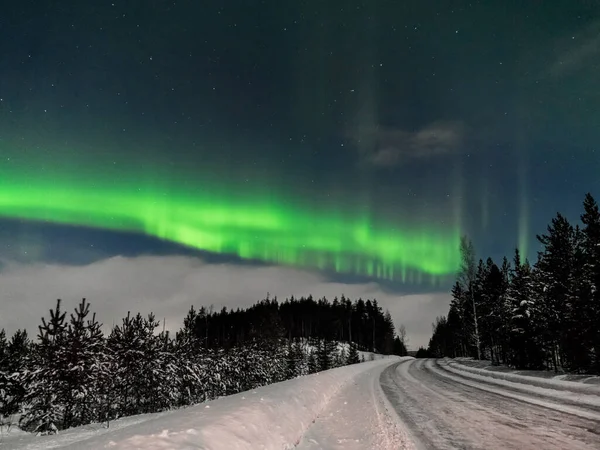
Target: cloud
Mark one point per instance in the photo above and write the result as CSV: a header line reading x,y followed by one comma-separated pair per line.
x,y
169,285
578,51
387,146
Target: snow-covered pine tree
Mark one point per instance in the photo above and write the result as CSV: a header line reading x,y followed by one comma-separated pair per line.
x,y
168,392
491,311
341,357
44,377
5,383
154,371
504,309
326,353
188,351
291,370
353,357
301,353
125,343
3,350
17,352
525,350
458,323
467,280
576,343
313,364
83,355
106,385
591,251
555,286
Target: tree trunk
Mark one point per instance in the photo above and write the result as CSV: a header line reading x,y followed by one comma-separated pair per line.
x,y
476,326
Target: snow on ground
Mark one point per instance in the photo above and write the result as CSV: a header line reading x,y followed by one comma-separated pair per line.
x,y
328,407
547,374
559,400
344,347
445,411
360,418
553,383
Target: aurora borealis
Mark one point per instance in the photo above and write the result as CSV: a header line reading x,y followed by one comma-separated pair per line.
x,y
274,231
353,141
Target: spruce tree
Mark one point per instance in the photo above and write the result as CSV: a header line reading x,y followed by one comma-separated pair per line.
x,y
83,364
17,353
353,356
45,377
555,267
467,279
5,382
399,347
591,254
523,319
291,362
313,364
327,354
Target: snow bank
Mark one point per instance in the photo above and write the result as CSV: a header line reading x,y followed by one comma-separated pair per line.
x,y
271,417
562,385
533,394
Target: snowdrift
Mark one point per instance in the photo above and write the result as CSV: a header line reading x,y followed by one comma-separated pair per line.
x,y
561,385
271,417
563,399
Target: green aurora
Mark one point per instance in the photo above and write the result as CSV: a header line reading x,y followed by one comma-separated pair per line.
x,y
250,225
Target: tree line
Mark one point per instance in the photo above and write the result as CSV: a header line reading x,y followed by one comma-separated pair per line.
x,y
362,322
544,315
73,374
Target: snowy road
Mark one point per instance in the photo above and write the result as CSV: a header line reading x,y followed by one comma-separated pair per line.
x,y
358,418
450,410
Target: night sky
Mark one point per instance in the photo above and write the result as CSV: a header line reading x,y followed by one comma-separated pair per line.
x,y
157,154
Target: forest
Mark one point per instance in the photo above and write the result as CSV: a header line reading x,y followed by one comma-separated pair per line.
x,y
74,374
544,315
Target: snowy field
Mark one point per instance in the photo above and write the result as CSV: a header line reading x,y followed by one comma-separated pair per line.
x,y
342,408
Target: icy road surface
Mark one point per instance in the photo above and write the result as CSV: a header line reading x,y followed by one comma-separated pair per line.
x,y
445,408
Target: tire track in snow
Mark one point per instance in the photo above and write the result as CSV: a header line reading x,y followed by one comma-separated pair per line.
x,y
445,414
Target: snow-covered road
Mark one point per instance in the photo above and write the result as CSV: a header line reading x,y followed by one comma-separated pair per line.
x,y
358,418
453,410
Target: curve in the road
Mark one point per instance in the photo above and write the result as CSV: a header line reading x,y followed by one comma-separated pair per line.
x,y
446,411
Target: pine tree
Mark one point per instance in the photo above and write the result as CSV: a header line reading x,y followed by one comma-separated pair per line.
x,y
3,350
492,310
467,279
5,382
313,364
44,377
522,333
189,351
591,275
340,357
326,354
127,345
459,325
83,360
17,353
555,267
540,316
353,357
292,370
399,347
